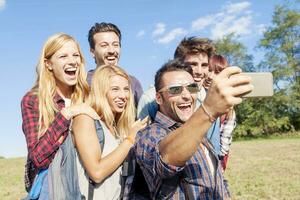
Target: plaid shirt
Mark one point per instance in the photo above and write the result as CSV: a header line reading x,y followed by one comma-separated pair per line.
x,y
196,180
226,132
40,151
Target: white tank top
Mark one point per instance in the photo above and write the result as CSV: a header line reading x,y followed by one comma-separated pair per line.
x,y
110,188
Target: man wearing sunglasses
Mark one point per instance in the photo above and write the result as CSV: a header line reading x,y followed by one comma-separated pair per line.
x,y
174,155
196,52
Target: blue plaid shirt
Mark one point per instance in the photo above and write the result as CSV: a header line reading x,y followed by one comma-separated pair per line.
x,y
195,179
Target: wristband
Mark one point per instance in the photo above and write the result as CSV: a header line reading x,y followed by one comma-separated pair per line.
x,y
211,118
130,139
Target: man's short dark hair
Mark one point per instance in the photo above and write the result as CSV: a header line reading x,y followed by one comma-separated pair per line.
x,y
102,27
194,46
170,66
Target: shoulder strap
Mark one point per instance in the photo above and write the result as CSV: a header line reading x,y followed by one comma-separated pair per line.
x,y
100,133
101,138
128,170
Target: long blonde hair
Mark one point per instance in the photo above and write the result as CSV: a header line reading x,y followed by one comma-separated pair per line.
x,y
45,86
98,100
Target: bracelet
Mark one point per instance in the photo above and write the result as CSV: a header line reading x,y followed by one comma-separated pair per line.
x,y
211,118
130,139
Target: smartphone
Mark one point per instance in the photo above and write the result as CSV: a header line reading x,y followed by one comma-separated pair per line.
x,y
262,82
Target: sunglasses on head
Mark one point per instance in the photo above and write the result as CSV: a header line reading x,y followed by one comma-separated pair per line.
x,y
177,89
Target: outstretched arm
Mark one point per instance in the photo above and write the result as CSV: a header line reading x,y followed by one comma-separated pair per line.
x,y
225,92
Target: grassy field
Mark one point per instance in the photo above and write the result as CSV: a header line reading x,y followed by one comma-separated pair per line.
x,y
265,169
11,179
257,169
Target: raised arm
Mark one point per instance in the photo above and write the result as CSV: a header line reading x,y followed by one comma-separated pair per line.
x,y
89,149
225,92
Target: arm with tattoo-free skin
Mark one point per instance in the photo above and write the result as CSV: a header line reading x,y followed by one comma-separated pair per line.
x,y
88,146
42,150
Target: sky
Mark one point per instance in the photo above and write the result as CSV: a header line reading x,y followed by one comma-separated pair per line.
x,y
151,30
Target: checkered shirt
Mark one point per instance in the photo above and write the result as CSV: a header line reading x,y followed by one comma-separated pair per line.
x,y
198,182
40,151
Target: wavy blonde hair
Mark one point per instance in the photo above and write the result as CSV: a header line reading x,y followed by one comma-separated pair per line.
x,y
45,87
98,100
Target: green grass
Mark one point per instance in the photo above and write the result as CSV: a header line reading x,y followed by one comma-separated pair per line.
x,y
263,169
11,178
268,137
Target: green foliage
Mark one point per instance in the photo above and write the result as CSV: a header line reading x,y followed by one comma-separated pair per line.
x,y
295,104
235,52
263,116
281,47
281,43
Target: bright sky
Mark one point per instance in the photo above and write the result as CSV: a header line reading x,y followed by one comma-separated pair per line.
x,y
151,29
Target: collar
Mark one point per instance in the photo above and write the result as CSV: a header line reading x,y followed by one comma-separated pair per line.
x,y
58,99
166,122
201,94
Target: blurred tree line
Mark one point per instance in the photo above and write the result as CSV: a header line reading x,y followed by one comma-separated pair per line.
x,y
280,45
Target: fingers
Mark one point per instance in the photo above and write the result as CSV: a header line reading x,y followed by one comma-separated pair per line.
x,y
227,89
236,85
238,79
145,120
140,124
136,122
234,101
86,109
94,115
229,71
242,90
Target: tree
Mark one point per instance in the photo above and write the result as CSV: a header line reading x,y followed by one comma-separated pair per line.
x,y
281,43
235,52
281,47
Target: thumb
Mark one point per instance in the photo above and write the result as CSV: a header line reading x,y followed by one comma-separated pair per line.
x,y
135,123
229,71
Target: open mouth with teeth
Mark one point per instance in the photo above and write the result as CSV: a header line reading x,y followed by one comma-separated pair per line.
x,y
71,71
120,104
198,78
186,107
111,59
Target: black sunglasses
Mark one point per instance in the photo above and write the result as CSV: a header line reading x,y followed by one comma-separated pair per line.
x,y
177,89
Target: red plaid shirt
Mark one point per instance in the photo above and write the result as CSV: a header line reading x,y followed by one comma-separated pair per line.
x,y
40,151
